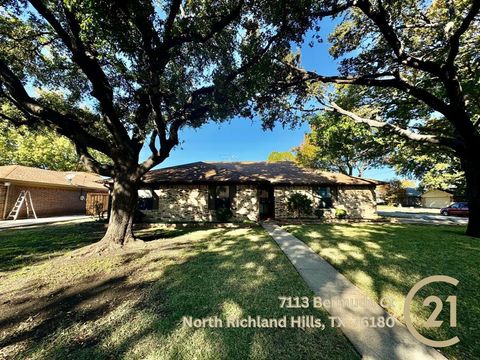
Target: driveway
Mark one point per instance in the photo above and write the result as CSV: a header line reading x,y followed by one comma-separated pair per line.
x,y
9,224
423,217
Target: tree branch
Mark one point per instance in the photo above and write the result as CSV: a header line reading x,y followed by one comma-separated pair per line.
x,y
455,38
423,138
91,163
215,28
380,18
102,89
334,10
172,14
384,80
66,124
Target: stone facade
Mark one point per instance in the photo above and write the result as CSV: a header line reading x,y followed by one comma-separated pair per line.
x,y
245,204
177,203
359,202
185,203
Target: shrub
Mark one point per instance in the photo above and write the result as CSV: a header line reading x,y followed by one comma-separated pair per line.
x,y
223,214
319,213
340,213
299,204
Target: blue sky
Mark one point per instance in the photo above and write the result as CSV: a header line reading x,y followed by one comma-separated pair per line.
x,y
244,140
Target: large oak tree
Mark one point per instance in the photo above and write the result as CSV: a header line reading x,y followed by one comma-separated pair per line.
x,y
417,63
119,76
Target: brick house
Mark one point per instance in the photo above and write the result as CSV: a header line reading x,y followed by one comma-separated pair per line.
x,y
53,193
251,190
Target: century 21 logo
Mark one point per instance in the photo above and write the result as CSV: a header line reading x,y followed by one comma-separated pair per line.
x,y
432,320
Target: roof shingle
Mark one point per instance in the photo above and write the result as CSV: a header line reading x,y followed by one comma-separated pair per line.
x,y
284,172
36,176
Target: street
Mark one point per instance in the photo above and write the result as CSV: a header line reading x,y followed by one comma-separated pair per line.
x,y
423,217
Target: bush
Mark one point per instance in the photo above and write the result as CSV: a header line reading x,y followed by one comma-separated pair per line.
x,y
319,213
299,204
340,213
223,214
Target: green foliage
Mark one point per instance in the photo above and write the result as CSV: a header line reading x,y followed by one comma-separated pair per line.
x,y
115,76
223,214
276,156
319,213
41,148
436,169
395,192
299,204
340,213
336,143
414,67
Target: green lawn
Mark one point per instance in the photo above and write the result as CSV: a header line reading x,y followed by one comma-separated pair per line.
x,y
27,246
130,304
387,260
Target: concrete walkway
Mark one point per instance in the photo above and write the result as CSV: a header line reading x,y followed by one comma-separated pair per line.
x,y
10,224
350,305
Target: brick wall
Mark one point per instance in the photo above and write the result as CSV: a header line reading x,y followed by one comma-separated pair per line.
x,y
3,193
48,202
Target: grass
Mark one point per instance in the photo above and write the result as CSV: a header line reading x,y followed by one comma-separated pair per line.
x,y
27,246
130,304
387,260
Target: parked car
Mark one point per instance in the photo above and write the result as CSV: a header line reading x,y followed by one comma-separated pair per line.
x,y
456,208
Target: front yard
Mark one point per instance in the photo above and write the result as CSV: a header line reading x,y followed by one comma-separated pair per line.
x,y
130,304
387,260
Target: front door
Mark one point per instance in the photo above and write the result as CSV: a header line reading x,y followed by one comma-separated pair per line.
x,y
266,202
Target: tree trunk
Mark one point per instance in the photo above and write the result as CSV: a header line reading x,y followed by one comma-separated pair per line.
x,y
472,175
124,202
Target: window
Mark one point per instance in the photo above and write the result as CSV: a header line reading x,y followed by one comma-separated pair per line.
x,y
324,195
222,200
220,196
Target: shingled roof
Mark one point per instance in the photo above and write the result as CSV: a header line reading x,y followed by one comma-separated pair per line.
x,y
284,172
40,177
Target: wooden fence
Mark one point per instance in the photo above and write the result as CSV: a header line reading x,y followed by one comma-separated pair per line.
x,y
96,202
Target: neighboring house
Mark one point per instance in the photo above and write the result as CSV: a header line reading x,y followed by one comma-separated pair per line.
x,y
53,193
252,190
437,198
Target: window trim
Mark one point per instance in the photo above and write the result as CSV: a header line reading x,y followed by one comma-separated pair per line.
x,y
213,195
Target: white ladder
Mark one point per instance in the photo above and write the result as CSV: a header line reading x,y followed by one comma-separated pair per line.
x,y
23,198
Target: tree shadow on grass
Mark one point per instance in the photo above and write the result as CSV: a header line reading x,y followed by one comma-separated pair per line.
x,y
27,246
138,312
389,259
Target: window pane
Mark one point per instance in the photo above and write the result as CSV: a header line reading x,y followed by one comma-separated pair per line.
x,y
223,192
223,197
323,192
